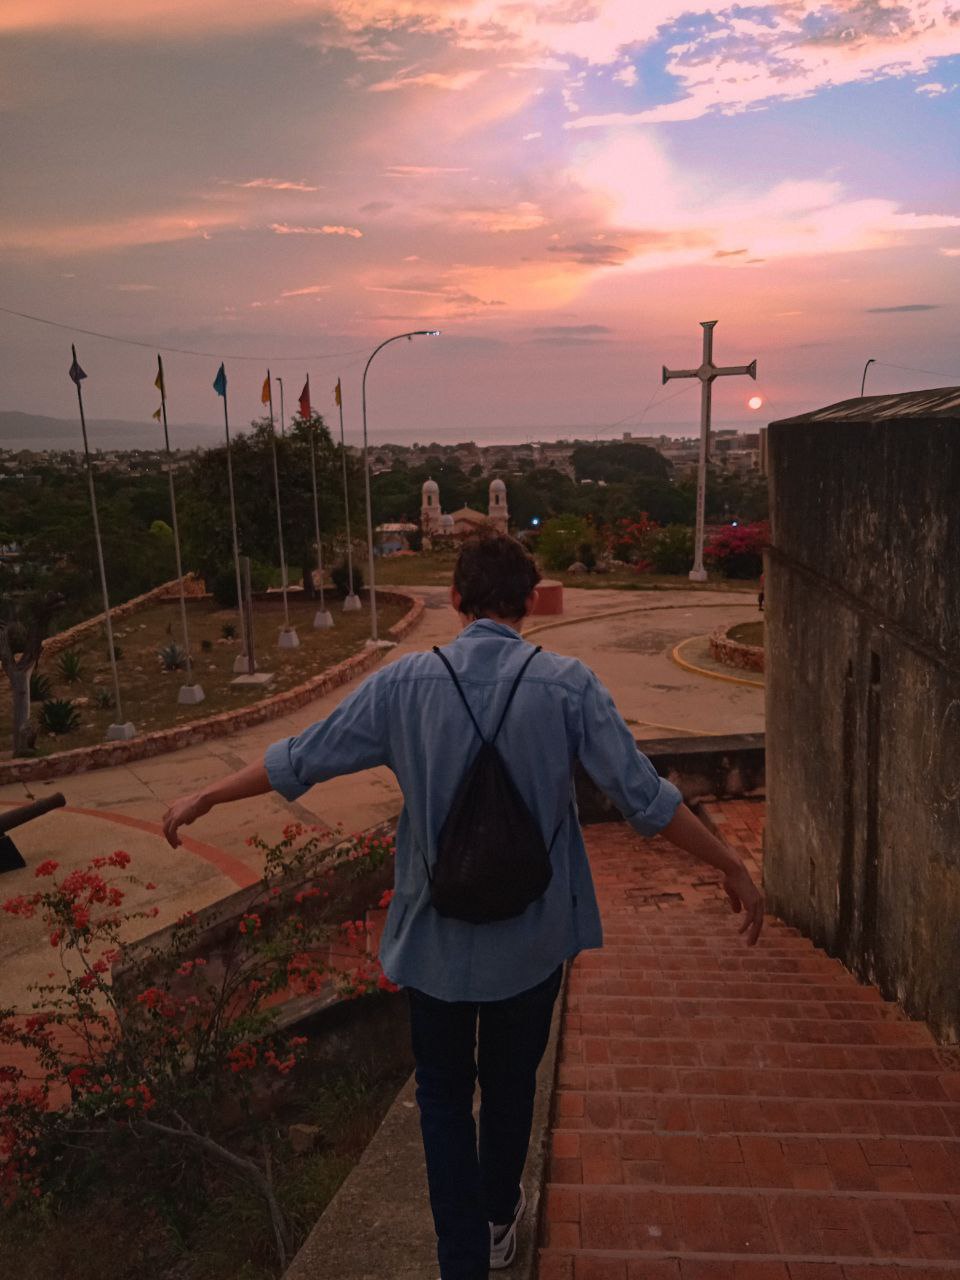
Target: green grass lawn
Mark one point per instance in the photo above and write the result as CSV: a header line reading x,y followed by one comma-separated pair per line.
x,y
747,633
149,694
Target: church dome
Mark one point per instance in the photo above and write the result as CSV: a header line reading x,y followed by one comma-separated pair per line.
x,y
430,486
497,486
446,522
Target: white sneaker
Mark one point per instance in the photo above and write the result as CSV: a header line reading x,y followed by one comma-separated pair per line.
x,y
503,1239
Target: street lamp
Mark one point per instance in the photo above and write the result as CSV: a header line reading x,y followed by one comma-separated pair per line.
x,y
416,333
863,380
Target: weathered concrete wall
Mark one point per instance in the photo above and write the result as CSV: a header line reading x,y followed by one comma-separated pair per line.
x,y
863,701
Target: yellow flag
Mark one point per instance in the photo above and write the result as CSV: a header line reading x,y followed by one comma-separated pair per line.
x,y
265,393
336,392
158,383
156,416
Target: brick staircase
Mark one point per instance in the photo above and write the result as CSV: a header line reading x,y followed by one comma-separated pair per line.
x,y
734,1114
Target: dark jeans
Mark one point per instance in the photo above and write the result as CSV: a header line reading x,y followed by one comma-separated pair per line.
x,y
469,1188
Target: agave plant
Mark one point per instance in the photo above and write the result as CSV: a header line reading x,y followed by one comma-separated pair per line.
x,y
59,716
70,667
172,657
41,687
229,631
103,699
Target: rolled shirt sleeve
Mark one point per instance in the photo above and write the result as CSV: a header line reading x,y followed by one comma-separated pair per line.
x,y
354,736
609,754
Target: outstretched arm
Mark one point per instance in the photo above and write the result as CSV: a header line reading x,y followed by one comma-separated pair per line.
x,y
251,781
687,832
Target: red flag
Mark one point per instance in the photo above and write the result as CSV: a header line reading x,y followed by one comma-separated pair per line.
x,y
266,396
336,393
305,410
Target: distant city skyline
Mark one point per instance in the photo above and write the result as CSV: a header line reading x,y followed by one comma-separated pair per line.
x,y
564,190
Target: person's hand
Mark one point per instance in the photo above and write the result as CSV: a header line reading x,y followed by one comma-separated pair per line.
x,y
746,897
181,813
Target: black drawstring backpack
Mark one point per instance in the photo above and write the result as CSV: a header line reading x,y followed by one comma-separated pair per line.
x,y
492,862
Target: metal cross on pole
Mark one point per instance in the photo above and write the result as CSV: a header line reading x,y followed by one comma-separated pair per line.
x,y
706,373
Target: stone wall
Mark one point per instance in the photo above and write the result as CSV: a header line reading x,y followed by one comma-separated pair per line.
x,y
194,589
748,657
863,701
107,754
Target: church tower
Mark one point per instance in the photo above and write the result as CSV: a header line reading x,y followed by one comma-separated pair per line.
x,y
497,512
430,507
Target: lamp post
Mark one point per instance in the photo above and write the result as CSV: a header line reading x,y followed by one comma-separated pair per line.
x,y
416,333
863,380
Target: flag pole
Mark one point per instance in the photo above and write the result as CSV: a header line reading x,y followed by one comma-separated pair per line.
x,y
322,619
288,635
245,661
190,693
352,603
121,730
282,417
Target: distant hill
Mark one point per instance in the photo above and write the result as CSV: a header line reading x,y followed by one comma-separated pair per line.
x,y
34,431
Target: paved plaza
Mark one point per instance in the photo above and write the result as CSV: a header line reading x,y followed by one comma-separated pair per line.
x,y
627,637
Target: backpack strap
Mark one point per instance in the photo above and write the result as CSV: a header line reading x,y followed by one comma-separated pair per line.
x,y
513,690
453,677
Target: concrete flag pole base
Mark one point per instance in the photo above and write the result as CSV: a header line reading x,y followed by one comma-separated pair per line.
x,y
190,695
241,664
121,732
258,678
380,644
697,575
352,604
322,620
288,638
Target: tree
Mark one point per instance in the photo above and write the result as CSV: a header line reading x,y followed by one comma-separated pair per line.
x,y
672,549
22,633
618,462
737,550
561,539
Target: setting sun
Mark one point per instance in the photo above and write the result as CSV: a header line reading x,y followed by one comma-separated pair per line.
x,y
755,402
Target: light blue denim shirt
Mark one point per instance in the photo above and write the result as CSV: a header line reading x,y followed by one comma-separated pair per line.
x,y
409,717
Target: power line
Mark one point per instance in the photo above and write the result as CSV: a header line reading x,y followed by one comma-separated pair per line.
x,y
933,373
180,351
645,410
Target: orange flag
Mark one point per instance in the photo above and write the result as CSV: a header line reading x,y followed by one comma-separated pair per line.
x,y
336,393
265,396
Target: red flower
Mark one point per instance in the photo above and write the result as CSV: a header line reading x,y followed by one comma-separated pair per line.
x,y
386,898
47,868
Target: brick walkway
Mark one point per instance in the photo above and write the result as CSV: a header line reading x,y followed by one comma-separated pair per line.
x,y
725,1114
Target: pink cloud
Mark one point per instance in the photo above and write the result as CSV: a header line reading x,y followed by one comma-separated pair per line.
x,y
284,229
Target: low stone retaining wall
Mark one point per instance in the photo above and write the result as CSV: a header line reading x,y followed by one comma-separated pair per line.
x,y
717,768
194,589
108,754
732,653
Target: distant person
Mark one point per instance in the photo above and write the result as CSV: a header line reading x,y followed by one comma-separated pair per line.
x,y
415,715
760,596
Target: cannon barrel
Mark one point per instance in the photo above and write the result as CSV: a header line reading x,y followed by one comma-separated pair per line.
x,y
10,818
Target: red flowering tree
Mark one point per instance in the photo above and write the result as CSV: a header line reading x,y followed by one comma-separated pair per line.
x,y
631,540
151,1044
737,550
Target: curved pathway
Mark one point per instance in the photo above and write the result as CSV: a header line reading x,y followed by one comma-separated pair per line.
x,y
625,637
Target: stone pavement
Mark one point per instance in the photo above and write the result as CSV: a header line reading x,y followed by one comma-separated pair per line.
x,y
625,636
733,1114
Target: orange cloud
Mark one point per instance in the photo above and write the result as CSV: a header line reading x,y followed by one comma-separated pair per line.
x,y
284,229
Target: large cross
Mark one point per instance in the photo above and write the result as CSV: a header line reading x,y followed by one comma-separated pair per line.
x,y
706,373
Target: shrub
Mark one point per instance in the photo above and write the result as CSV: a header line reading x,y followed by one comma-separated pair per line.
x,y
103,699
59,716
222,583
206,646
561,539
631,539
174,1036
172,657
737,550
117,653
70,667
229,631
41,687
341,580
671,550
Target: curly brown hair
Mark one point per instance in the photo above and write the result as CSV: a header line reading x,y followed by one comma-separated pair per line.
x,y
494,575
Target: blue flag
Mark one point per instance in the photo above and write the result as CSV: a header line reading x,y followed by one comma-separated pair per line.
x,y
76,373
220,382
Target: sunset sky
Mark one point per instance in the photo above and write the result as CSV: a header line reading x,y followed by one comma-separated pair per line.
x,y
564,189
